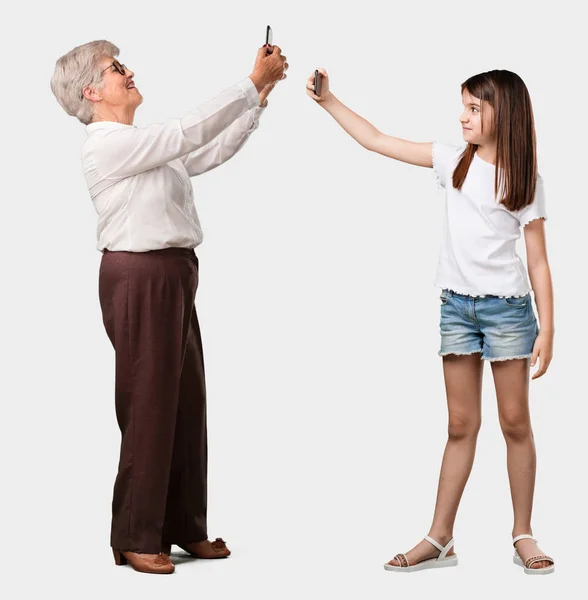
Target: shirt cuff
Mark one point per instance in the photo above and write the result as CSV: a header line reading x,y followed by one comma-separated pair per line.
x,y
250,92
256,113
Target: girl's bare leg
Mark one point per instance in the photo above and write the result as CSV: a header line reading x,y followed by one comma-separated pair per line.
x,y
511,379
463,385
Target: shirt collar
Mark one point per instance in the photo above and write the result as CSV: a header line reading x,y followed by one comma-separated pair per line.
x,y
105,125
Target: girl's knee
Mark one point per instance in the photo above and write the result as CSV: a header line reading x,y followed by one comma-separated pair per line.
x,y
461,427
516,425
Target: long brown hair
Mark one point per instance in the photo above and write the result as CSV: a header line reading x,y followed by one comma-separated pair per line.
x,y
516,152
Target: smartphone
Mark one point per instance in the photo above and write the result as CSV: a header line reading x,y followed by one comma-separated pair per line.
x,y
269,37
318,81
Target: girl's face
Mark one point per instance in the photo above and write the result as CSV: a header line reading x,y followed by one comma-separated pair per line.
x,y
477,120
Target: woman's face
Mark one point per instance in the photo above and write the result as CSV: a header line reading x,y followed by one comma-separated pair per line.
x,y
477,120
118,90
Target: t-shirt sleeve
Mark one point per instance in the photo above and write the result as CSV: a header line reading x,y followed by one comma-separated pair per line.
x,y
445,158
535,210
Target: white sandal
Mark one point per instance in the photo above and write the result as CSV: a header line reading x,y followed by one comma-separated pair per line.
x,y
431,563
534,559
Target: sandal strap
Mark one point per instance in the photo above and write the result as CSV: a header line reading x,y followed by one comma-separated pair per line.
x,y
524,536
402,560
535,559
442,549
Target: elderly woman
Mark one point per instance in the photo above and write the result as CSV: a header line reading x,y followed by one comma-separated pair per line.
x,y
139,181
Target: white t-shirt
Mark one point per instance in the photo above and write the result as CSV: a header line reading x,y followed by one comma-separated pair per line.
x,y
478,249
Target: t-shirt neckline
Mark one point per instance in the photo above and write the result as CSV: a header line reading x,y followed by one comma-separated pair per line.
x,y
484,161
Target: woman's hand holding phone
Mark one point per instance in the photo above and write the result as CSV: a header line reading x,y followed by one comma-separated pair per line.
x,y
268,68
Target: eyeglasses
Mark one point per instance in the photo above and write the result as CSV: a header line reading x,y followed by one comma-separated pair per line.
x,y
117,66
120,68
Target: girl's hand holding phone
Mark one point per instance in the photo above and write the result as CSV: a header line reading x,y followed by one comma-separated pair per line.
x,y
322,88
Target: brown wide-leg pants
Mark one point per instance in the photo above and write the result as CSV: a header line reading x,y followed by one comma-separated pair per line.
x,y
147,301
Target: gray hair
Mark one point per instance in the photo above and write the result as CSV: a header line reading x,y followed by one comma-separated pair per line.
x,y
77,69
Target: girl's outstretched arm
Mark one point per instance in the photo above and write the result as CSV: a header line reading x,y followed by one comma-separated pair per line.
x,y
540,276
364,133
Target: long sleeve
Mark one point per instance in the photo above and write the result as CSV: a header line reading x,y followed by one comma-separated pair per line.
x,y
225,145
131,150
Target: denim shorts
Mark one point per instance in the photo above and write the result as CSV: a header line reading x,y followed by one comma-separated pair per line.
x,y
498,328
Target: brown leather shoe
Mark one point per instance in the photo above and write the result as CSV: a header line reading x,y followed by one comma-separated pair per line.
x,y
205,549
145,563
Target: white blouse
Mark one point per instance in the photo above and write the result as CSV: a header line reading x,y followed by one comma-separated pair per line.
x,y
139,177
478,254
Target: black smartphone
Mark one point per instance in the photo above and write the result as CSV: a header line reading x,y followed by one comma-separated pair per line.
x,y
318,82
269,38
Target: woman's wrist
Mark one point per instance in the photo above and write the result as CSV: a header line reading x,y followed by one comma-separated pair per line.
x,y
257,82
265,93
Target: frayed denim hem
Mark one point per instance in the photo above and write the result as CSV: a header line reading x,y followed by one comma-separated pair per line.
x,y
509,358
460,353
498,359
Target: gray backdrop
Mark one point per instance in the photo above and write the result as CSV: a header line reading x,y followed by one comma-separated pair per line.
x,y
327,417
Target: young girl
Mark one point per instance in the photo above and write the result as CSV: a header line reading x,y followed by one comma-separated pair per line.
x,y
492,191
